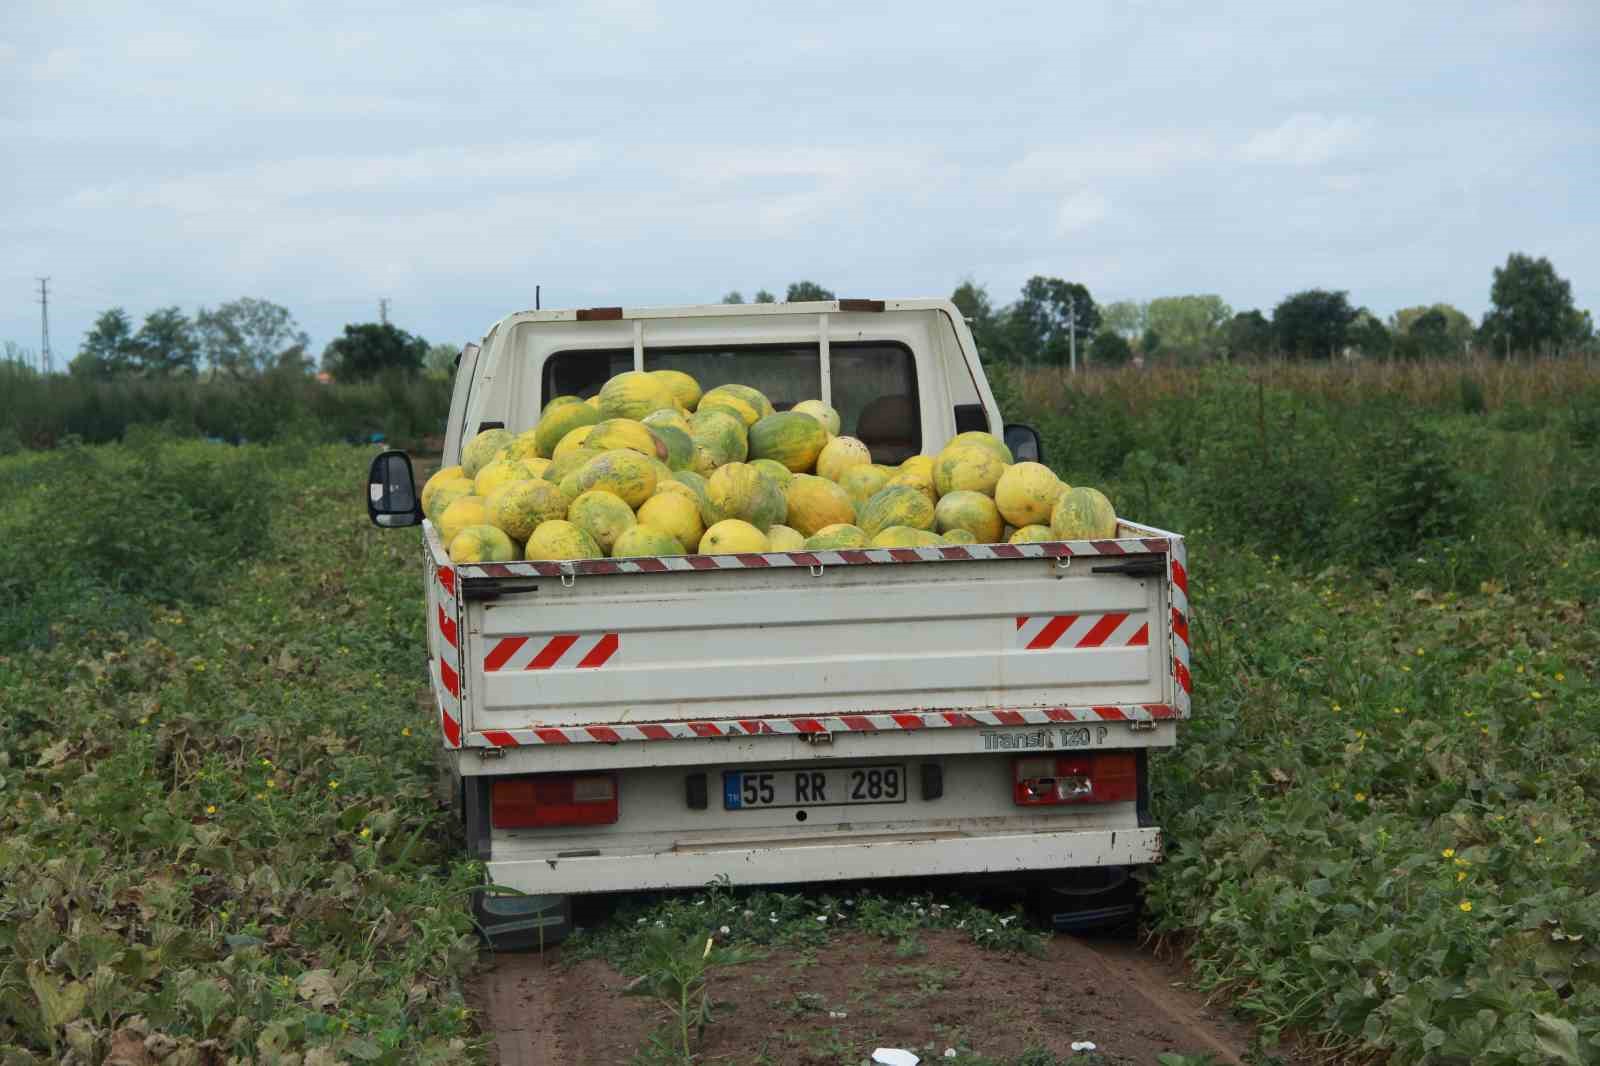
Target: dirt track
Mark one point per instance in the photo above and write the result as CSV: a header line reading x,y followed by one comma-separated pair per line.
x,y
836,1005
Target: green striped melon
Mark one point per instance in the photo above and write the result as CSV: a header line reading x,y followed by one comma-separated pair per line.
x,y
745,398
560,539
739,490
680,446
793,439
721,436
482,544
657,419
971,511
836,537
622,472
821,412
482,449
601,515
570,463
774,470
558,422
634,394
519,506
895,505
643,541
1082,513
860,482
816,503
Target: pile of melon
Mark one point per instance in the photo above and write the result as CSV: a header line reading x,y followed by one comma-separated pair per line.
x,y
650,466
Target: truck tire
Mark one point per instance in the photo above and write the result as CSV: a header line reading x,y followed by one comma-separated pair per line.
x,y
1093,901
507,921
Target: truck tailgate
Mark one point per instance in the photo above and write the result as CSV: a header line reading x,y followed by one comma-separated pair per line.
x,y
758,644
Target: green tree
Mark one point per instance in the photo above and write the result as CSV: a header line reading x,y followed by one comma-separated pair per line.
x,y
1313,323
1369,335
802,291
1248,333
1530,307
1150,343
764,297
1127,317
1190,326
166,345
246,338
368,349
441,358
973,301
108,349
1458,327
734,297
1041,324
1110,348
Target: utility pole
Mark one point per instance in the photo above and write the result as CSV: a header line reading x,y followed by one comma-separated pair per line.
x,y
45,359
383,310
1072,327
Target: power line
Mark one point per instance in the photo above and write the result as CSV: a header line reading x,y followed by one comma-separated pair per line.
x,y
45,359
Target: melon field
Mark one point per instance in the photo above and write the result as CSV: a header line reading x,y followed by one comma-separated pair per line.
x,y
220,839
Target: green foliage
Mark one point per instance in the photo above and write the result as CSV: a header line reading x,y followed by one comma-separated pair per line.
x,y
1313,323
248,337
1109,349
217,821
676,972
1040,325
1531,308
368,349
801,291
1190,327
166,344
108,349
1249,334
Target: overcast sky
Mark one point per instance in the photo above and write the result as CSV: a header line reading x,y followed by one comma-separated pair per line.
x,y
448,157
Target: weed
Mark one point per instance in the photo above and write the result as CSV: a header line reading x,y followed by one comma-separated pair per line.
x,y
676,974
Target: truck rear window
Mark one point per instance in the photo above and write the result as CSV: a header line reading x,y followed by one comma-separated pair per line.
x,y
874,384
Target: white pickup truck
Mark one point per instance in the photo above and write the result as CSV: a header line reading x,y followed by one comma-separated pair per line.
x,y
627,724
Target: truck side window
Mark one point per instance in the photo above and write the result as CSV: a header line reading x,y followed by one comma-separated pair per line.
x,y
785,373
875,393
582,372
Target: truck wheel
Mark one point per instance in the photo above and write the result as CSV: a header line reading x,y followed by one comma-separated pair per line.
x,y
521,923
1094,901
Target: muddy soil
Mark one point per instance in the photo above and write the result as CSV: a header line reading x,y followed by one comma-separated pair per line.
x,y
838,1003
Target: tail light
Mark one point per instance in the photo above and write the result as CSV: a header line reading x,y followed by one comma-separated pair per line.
x,y
1045,781
552,800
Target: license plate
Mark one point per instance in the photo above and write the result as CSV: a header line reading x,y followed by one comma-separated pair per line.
x,y
746,790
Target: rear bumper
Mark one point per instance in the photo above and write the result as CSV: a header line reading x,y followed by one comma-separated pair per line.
x,y
814,859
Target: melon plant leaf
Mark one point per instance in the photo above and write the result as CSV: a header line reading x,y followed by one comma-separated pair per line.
x,y
1557,1038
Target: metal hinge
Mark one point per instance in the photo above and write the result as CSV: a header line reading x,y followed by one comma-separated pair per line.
x,y
1142,725
490,753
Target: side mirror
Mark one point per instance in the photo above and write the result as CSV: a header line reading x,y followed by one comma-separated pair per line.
x,y
1024,443
392,492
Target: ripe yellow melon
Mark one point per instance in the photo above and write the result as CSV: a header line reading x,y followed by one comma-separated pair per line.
x,y
774,469
739,407
971,511
523,446
784,539
560,539
752,400
685,389
464,512
570,463
985,440
518,507
574,439
815,502
444,494
440,476
623,473
642,541
634,394
602,515
721,436
1034,534
959,536
821,412
899,537
842,454
1083,513
739,490
674,509
917,477
480,450
860,482
967,466
625,433
482,544
675,418
1026,493
732,536
840,536
499,473
558,401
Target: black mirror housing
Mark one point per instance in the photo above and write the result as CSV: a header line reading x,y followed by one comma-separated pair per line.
x,y
392,492
1024,443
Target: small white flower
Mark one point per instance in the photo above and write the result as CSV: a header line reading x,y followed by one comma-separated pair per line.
x,y
699,903
774,921
641,921
988,930
943,906
822,918
1007,920
1083,1045
949,1052
749,914
837,1014
726,930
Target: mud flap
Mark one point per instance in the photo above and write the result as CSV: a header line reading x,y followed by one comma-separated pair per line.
x,y
509,921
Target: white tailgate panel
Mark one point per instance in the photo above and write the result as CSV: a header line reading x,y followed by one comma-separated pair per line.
x,y
855,639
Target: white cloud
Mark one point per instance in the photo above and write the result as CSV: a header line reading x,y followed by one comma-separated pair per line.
x,y
1307,140
1080,210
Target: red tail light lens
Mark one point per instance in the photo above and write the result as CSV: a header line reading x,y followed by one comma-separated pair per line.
x,y
1107,777
553,800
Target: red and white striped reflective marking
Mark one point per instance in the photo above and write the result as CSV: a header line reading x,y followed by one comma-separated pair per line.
x,y
448,689
839,723
1047,632
565,651
1178,592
